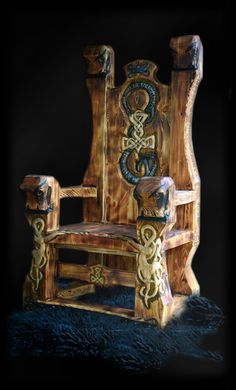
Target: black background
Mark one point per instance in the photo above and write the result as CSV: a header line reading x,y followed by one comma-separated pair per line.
x,y
49,132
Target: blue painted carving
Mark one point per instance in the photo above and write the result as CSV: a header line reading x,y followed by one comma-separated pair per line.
x,y
193,58
138,68
153,93
149,161
105,58
146,159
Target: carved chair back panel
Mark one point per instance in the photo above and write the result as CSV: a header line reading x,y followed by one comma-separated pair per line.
x,y
137,142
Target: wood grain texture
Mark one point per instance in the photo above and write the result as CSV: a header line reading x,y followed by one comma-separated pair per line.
x,y
42,212
141,191
121,206
83,272
75,290
78,191
153,297
118,311
186,75
184,197
100,60
118,238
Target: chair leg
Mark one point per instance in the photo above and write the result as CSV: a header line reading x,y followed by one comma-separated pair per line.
x,y
40,282
179,264
153,298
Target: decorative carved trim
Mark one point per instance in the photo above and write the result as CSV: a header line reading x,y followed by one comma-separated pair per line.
x,y
136,140
155,198
96,275
40,253
151,269
138,67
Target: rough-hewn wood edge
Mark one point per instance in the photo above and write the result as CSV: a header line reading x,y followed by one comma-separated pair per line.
x,y
83,272
76,289
118,311
178,307
97,250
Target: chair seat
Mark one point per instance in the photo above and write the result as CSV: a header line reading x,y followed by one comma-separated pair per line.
x,y
109,238
102,229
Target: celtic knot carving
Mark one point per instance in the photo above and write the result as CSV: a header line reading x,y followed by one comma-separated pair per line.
x,y
96,275
40,253
137,142
151,267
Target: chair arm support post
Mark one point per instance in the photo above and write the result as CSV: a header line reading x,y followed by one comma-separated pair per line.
x,y
42,200
155,196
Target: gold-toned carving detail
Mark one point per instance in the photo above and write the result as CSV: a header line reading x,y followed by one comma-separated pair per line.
x,y
96,276
151,267
137,141
40,253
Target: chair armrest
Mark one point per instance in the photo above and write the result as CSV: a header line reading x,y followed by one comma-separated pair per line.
x,y
42,199
43,195
156,198
184,197
78,191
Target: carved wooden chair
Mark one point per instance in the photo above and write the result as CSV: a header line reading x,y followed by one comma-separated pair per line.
x,y
141,193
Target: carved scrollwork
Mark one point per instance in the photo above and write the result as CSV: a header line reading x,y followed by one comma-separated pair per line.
x,y
40,253
151,269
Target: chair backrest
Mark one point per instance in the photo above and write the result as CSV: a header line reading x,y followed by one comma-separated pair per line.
x,y
136,128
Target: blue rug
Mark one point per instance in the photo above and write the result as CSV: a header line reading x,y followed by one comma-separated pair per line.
x,y
52,331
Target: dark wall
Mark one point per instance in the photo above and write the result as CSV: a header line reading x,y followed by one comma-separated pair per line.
x,y
49,121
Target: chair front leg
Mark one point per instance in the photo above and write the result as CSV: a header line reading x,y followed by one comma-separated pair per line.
x,y
42,213
153,298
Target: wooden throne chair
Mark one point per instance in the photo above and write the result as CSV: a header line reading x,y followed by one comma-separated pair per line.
x,y
141,193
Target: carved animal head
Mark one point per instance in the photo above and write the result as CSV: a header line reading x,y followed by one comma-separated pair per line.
x,y
155,196
99,59
185,52
38,193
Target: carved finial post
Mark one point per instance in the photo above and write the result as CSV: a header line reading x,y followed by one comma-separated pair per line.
x,y
100,62
186,75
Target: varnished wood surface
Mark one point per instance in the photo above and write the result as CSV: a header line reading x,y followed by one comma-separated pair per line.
x,y
75,290
100,229
121,238
186,76
118,311
78,191
83,272
130,220
177,308
184,197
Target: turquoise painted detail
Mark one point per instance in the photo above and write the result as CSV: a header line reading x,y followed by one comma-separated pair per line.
x,y
147,159
138,68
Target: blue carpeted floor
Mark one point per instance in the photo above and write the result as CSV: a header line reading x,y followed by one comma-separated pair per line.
x,y
51,331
